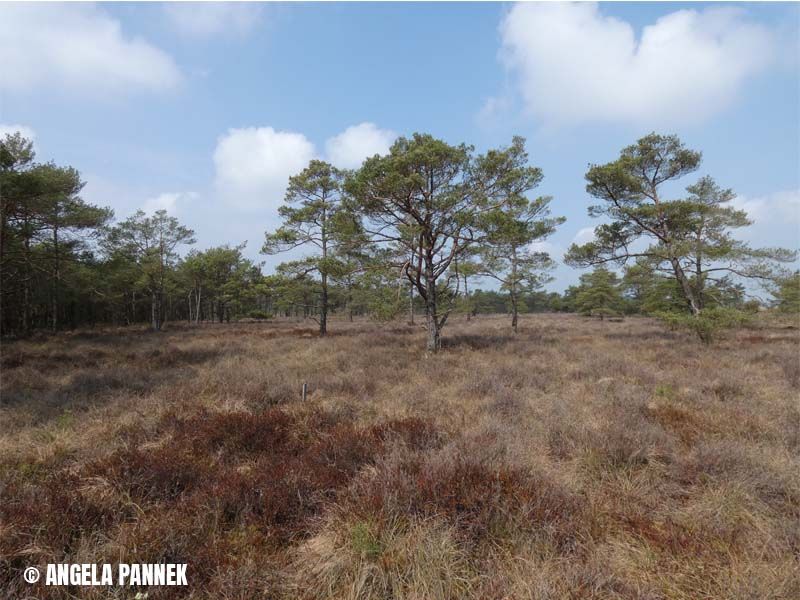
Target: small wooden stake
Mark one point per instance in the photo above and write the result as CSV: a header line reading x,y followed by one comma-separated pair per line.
x,y
305,391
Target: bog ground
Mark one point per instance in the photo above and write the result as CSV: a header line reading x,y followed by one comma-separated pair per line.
x,y
576,459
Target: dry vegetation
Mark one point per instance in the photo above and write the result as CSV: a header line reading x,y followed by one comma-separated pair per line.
x,y
576,459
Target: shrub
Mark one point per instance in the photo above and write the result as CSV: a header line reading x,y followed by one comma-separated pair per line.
x,y
155,475
479,499
708,324
47,519
195,486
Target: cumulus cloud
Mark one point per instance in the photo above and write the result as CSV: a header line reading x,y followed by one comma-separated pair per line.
x,y
544,246
24,130
206,19
495,108
77,47
572,64
253,165
778,207
775,216
349,149
169,201
584,236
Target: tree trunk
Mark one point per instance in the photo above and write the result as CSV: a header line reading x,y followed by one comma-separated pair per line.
x,y
5,325
350,300
700,283
198,306
154,320
411,304
514,310
56,281
513,289
686,287
26,289
466,298
323,309
434,343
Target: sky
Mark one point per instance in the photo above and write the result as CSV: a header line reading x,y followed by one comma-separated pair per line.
x,y
206,109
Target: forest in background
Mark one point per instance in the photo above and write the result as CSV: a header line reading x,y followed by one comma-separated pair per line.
x,y
418,234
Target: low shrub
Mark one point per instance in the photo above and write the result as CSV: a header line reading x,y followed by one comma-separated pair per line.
x,y
708,324
194,483
480,499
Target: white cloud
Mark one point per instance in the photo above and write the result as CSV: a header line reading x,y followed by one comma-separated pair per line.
x,y
554,250
206,19
349,149
169,201
24,130
778,207
584,236
776,219
572,64
494,108
76,47
253,165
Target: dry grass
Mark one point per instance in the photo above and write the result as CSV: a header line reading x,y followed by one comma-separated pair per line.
x,y
577,459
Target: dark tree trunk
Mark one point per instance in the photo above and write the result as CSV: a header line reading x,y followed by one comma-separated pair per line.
x,y
154,317
514,311
411,304
323,309
514,308
433,322
686,287
466,298
56,281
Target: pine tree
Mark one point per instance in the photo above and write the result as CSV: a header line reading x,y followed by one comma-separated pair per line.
x,y
599,294
788,294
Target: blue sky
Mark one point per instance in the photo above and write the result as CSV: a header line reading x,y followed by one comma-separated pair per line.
x,y
207,109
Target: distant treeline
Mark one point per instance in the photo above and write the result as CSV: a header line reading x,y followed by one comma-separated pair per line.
x,y
408,235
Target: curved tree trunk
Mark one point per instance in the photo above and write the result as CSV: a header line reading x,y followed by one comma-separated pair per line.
x,y
686,287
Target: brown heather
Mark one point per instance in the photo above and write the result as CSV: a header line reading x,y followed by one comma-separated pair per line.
x,y
576,459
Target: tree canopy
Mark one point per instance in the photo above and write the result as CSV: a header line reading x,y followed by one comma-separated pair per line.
x,y
690,239
427,199
417,230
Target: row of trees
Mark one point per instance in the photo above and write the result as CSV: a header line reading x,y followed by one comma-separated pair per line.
x,y
428,216
408,231
439,214
63,263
